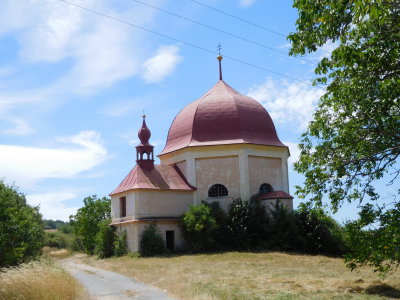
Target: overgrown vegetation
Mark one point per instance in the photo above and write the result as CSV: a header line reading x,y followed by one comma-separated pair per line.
x,y
39,280
151,241
252,226
21,228
93,233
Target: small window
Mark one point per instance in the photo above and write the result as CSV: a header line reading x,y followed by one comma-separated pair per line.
x,y
217,190
265,187
122,206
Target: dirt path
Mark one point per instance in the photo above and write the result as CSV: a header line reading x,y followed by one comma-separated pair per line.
x,y
106,285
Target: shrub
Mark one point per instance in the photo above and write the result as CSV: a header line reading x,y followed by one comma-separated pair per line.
x,y
59,239
283,229
151,241
199,228
21,228
105,239
120,244
319,233
239,223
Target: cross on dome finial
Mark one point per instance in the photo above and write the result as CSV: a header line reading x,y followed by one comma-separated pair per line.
x,y
143,115
219,57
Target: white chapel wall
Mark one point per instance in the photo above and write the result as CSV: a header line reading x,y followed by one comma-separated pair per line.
x,y
218,170
265,170
159,203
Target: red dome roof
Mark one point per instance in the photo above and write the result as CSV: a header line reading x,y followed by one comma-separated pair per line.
x,y
222,116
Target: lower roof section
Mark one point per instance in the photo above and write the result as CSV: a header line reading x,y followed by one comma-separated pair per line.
x,y
161,177
274,195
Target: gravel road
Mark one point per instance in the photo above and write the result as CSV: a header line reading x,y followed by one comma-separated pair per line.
x,y
106,285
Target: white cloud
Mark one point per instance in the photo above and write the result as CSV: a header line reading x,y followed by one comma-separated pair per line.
x,y
28,165
294,151
100,51
53,204
21,127
246,3
290,104
162,64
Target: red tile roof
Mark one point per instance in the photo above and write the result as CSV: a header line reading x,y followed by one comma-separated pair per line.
x,y
274,195
221,116
161,177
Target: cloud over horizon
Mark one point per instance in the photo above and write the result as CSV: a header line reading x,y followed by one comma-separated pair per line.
x,y
29,165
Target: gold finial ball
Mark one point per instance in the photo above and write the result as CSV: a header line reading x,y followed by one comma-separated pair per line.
x,y
219,57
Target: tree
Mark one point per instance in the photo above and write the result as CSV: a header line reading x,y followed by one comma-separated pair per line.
x,y
105,239
21,228
199,227
151,241
354,138
88,220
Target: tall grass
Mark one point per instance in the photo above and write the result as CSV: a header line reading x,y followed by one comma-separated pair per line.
x,y
39,280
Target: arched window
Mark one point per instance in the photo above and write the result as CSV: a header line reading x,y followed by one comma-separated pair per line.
x,y
265,187
217,190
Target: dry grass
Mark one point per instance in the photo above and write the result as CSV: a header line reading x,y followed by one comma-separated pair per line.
x,y
254,276
56,253
39,280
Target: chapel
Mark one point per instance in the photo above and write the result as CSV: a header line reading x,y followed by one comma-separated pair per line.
x,y
220,147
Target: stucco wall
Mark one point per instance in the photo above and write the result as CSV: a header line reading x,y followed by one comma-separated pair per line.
x,y
265,170
130,206
134,231
222,170
158,203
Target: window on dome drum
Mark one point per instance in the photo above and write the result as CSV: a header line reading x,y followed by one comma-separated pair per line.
x,y
217,190
122,207
265,187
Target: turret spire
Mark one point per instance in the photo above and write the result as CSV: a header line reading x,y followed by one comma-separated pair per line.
x,y
219,57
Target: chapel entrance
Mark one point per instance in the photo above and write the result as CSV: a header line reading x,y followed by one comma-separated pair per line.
x,y
170,239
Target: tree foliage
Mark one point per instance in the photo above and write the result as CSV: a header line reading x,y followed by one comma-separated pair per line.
x,y
151,241
88,220
21,228
105,239
199,227
120,244
354,138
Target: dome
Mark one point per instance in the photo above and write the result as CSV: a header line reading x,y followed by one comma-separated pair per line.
x,y
144,133
222,116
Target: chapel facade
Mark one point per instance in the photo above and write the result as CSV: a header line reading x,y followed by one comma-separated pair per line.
x,y
220,147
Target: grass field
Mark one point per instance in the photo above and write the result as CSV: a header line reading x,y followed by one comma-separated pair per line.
x,y
241,276
39,280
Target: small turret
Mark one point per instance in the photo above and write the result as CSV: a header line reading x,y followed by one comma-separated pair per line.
x,y
144,151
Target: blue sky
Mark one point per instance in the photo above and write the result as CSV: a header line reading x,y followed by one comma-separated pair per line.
x,y
73,85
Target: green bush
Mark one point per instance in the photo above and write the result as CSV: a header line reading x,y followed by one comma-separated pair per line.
x,y
59,239
21,228
320,233
239,220
120,244
199,228
88,220
105,239
151,241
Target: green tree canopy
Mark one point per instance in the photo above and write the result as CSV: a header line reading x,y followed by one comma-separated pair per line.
x,y
88,218
21,228
354,139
